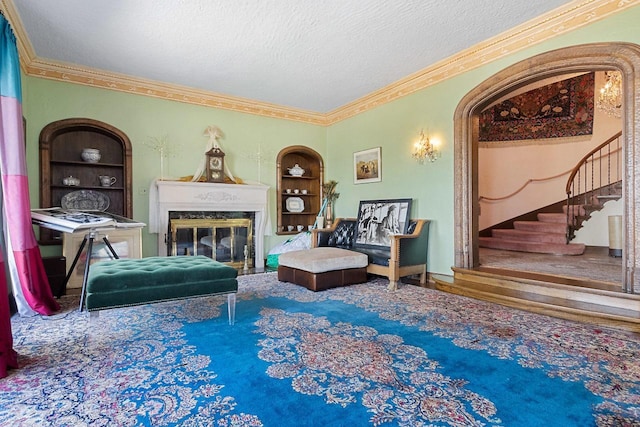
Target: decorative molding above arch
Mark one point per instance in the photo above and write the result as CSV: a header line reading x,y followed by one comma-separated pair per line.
x,y
566,18
624,57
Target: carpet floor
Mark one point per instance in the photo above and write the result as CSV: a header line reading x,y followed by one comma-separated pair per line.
x,y
350,356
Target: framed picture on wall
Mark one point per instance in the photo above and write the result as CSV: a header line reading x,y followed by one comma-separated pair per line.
x,y
367,166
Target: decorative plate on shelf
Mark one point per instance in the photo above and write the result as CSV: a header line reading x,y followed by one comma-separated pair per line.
x,y
294,204
85,200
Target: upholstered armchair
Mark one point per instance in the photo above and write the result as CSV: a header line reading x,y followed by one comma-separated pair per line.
x,y
406,255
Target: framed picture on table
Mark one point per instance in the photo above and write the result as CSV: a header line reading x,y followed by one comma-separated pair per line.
x,y
127,243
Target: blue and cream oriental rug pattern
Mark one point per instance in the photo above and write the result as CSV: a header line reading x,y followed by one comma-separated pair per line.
x,y
352,356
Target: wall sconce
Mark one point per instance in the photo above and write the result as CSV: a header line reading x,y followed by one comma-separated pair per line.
x,y
424,149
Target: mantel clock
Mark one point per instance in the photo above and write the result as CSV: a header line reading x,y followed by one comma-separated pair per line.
x,y
215,165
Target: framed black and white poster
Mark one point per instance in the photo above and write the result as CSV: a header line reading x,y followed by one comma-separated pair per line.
x,y
379,219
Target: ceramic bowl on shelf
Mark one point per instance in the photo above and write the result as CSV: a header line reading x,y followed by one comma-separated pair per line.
x,y
296,170
90,155
71,181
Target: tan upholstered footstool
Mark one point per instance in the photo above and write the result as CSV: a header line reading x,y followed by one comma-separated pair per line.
x,y
322,268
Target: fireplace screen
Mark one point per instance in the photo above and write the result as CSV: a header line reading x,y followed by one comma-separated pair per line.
x,y
225,240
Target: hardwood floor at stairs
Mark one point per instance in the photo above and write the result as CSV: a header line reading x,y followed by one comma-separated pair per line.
x,y
594,264
585,288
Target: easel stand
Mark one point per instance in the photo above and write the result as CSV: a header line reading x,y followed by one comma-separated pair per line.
x,y
89,237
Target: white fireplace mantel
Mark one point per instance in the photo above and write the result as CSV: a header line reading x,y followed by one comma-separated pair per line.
x,y
170,196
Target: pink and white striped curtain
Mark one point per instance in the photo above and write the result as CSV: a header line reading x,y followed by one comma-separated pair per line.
x,y
8,356
23,259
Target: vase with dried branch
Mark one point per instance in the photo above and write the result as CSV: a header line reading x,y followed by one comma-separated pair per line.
x,y
330,195
162,147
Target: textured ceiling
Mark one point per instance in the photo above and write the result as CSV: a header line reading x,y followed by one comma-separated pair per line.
x,y
304,54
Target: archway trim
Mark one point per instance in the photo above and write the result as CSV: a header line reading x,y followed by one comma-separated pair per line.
x,y
624,57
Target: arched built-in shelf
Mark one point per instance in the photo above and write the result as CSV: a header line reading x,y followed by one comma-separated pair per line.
x,y
61,145
301,208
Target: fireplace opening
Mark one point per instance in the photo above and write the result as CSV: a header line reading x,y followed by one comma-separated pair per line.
x,y
226,237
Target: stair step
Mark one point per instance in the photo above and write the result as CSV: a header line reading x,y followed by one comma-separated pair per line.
x,y
534,247
559,218
575,210
592,207
541,227
581,219
551,297
607,197
528,236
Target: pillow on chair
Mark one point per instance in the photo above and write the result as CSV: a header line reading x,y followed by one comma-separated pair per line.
x,y
342,236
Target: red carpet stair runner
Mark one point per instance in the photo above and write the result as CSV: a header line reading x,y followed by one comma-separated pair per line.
x,y
547,235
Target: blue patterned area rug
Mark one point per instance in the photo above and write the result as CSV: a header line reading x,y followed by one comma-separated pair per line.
x,y
352,356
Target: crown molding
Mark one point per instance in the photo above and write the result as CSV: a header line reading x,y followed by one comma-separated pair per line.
x,y
559,21
54,70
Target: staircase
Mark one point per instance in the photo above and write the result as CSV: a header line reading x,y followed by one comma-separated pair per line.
x,y
547,235
591,183
596,179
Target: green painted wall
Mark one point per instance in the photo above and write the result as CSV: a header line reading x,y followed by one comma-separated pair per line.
x,y
143,117
394,127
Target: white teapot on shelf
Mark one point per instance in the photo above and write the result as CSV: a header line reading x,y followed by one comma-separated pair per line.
x,y
296,170
70,181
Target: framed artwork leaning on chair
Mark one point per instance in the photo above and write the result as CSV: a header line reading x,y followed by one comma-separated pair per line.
x,y
378,220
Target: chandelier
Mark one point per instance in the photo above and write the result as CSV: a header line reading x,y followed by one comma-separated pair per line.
x,y
610,99
424,149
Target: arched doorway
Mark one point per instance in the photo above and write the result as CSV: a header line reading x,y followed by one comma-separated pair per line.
x,y
624,57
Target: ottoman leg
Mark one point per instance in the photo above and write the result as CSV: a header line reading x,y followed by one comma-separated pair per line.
x,y
231,307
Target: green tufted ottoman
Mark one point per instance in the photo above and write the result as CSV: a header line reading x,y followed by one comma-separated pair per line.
x,y
126,282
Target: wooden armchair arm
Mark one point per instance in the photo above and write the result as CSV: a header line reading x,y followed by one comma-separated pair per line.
x,y
410,249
